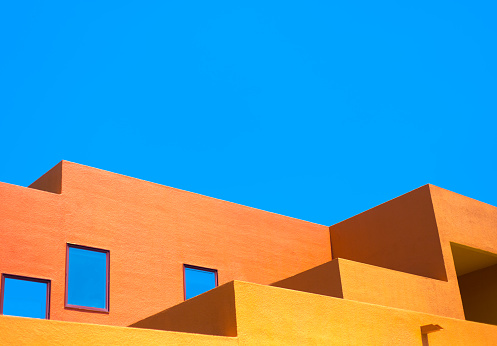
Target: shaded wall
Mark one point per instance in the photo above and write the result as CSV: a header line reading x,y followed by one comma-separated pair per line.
x,y
479,295
400,234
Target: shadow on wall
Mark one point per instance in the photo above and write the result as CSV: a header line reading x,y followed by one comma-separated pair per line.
x,y
477,277
323,279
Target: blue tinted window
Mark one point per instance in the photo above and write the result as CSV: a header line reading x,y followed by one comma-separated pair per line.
x,y
25,298
198,281
87,278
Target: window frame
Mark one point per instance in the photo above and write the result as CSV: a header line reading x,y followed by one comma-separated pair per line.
x,y
107,281
26,278
197,268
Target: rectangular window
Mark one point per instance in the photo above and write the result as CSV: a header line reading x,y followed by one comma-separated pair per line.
x,y
87,278
25,297
198,280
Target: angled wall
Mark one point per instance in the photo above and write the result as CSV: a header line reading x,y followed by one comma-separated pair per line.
x,y
469,239
212,313
50,181
400,234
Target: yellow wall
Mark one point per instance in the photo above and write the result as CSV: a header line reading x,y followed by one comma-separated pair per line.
x,y
351,280
370,284
267,315
31,331
276,316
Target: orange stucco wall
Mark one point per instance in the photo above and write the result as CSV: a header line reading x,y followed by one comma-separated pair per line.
x,y
275,316
465,221
398,254
376,285
32,331
366,283
268,315
400,234
150,230
412,234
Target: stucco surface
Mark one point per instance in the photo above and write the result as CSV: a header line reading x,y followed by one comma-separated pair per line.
x,y
30,331
324,279
151,231
464,221
212,312
275,316
370,284
400,234
366,283
391,270
267,315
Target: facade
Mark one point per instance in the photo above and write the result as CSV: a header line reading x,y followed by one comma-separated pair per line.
x,y
108,259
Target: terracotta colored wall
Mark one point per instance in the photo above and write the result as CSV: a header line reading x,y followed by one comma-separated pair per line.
x,y
465,221
30,227
400,234
150,230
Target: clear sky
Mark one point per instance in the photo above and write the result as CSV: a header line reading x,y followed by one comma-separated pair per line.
x,y
313,109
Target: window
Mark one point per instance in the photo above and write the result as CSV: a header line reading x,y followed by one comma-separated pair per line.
x,y
24,296
87,275
198,280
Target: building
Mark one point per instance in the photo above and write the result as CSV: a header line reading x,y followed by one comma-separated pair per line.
x,y
93,253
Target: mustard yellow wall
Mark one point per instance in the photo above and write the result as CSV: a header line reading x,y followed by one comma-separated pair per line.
x,y
31,331
370,284
351,280
275,316
267,315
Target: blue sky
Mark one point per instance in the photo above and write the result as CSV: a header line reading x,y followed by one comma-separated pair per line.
x,y
316,110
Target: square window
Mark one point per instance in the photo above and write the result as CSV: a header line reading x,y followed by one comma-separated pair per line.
x,y
198,280
87,273
25,297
